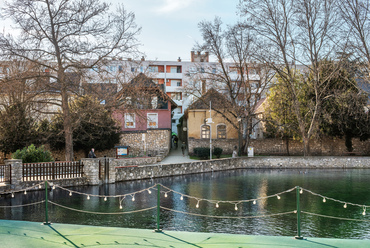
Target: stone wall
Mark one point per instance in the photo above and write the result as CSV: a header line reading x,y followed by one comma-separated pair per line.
x,y
164,170
227,145
322,147
150,142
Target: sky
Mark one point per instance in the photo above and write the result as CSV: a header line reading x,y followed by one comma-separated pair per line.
x,y
170,27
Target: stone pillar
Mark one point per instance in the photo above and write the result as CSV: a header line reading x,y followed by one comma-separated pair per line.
x,y
91,170
16,174
112,170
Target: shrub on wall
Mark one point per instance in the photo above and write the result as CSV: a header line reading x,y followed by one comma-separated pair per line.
x,y
217,151
201,152
32,154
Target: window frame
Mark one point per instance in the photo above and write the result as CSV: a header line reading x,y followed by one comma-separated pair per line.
x,y
221,133
149,120
127,120
203,133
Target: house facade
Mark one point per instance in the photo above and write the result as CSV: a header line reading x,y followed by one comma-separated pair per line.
x,y
217,125
145,121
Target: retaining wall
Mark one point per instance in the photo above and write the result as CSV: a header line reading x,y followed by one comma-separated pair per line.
x,y
164,170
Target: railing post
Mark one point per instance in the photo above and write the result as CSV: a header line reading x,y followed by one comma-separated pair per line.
x,y
298,215
158,207
46,205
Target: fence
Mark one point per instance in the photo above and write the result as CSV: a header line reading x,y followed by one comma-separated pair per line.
x,y
51,171
5,176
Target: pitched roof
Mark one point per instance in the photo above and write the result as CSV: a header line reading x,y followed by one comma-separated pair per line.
x,y
218,100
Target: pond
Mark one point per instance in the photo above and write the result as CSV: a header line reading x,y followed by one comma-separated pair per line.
x,y
232,194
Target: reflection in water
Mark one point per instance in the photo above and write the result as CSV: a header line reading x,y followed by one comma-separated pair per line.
x,y
346,185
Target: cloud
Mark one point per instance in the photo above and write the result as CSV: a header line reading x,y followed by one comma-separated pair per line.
x,y
170,6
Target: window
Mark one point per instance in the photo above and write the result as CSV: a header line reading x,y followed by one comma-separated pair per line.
x,y
152,120
205,132
178,83
176,96
129,120
173,69
153,68
221,131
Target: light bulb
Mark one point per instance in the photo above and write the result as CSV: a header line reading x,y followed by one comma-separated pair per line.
x,y
25,192
149,191
324,200
120,206
278,196
217,205
105,198
133,198
181,197
165,194
70,193
197,206
12,195
40,186
88,197
53,186
236,207
254,202
301,191
345,205
364,212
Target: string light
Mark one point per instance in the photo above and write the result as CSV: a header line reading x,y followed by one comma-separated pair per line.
x,y
181,197
53,187
39,186
301,191
12,195
254,202
25,192
236,207
197,206
165,194
364,212
133,198
345,205
105,198
88,197
324,199
70,193
149,191
217,205
278,196
120,206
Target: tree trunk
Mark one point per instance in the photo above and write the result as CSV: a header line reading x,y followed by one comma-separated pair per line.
x,y
67,126
306,146
287,145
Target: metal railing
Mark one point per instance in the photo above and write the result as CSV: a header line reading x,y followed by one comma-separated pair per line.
x,y
5,173
51,171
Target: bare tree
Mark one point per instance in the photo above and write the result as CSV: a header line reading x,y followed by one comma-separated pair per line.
x,y
65,37
297,35
235,75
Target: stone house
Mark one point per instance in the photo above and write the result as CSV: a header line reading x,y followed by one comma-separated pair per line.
x,y
145,117
221,128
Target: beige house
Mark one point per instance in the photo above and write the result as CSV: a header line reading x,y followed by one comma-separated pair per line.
x,y
218,125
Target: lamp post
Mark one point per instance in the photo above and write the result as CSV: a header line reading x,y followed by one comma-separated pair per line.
x,y
239,136
209,121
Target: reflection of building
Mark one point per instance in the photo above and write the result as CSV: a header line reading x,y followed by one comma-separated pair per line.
x,y
222,128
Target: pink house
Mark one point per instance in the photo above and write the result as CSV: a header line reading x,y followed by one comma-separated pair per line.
x,y
145,117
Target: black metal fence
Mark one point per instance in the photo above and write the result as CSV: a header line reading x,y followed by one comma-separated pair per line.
x,y
5,173
51,171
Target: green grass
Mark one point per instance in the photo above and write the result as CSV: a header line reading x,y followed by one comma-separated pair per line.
x,y
222,156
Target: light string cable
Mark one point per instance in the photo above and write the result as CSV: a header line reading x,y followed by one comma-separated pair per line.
x,y
345,204
217,202
36,186
229,217
24,190
88,196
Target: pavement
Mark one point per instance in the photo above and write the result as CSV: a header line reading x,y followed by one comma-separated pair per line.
x,y
175,156
14,234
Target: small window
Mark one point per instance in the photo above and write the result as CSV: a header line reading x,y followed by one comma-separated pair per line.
x,y
133,69
205,131
129,120
178,83
152,120
221,131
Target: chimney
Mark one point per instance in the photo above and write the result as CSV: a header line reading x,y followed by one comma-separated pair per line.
x,y
192,56
179,59
142,58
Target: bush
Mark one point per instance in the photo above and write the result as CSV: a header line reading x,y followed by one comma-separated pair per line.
x,y
201,152
217,151
32,154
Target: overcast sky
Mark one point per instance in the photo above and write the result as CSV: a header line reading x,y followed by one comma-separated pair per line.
x,y
169,27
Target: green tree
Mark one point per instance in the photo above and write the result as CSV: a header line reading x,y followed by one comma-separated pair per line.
x,y
93,126
32,154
